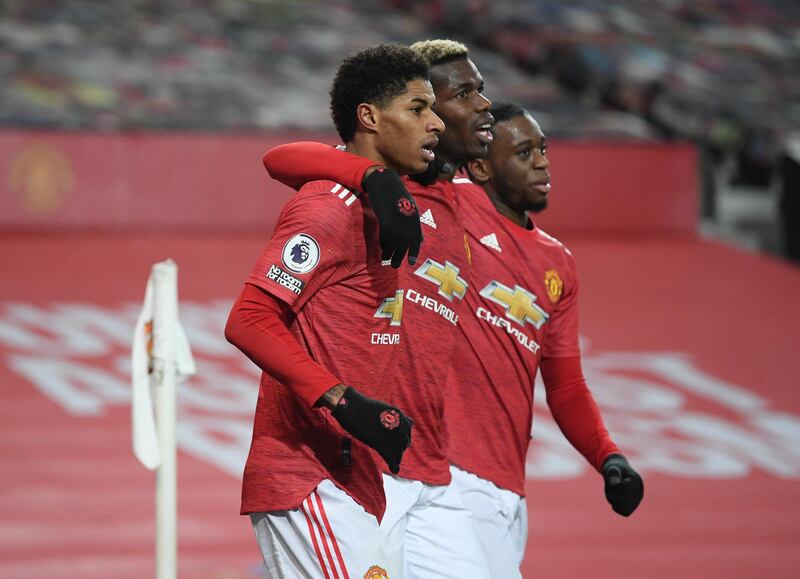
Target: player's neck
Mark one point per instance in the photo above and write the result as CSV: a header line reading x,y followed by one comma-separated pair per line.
x,y
447,168
365,148
519,218
438,170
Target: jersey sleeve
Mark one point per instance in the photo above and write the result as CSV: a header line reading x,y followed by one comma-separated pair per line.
x,y
257,325
312,246
575,411
561,340
294,164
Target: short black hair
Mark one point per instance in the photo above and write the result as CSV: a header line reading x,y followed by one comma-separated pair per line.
x,y
504,111
375,75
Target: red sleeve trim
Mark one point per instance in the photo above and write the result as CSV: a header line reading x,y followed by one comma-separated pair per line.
x,y
257,326
575,410
295,164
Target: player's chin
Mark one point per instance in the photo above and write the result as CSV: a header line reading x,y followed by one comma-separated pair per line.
x,y
538,205
418,167
478,150
409,166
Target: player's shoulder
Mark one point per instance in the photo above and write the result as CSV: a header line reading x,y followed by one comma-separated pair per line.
x,y
553,245
323,200
472,199
323,206
327,193
463,184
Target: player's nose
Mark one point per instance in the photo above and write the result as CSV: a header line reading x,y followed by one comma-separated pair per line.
x,y
540,161
436,124
483,102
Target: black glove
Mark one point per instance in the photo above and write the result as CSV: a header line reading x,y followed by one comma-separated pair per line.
x,y
398,217
376,424
624,486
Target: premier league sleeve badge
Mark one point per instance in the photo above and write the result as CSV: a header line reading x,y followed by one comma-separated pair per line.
x,y
301,253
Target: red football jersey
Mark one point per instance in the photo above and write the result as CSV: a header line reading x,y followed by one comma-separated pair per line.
x,y
434,291
324,262
522,306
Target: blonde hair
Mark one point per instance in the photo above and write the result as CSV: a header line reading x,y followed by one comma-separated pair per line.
x,y
438,51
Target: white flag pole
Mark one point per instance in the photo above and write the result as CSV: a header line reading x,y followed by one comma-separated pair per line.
x,y
165,371
158,364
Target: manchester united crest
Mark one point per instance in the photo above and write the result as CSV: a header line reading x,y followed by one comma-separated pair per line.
x,y
41,175
376,572
554,285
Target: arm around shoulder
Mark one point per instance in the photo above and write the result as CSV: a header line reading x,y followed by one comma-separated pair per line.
x,y
294,164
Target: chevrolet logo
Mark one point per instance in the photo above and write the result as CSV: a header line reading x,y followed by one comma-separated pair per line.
x,y
445,276
392,308
519,303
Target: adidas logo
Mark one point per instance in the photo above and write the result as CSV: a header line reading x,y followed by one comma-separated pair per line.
x,y
491,241
427,219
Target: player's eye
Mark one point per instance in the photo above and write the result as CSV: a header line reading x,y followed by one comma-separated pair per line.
x,y
524,153
462,95
417,110
543,149
480,88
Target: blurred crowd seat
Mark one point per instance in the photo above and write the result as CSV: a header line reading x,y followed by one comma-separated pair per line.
x,y
175,64
225,65
720,72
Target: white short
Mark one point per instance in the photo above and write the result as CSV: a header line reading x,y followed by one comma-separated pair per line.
x,y
428,533
329,537
501,521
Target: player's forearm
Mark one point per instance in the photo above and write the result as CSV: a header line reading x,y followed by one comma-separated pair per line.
x,y
256,327
294,164
575,410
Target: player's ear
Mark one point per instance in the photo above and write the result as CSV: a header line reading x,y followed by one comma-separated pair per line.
x,y
367,115
479,170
